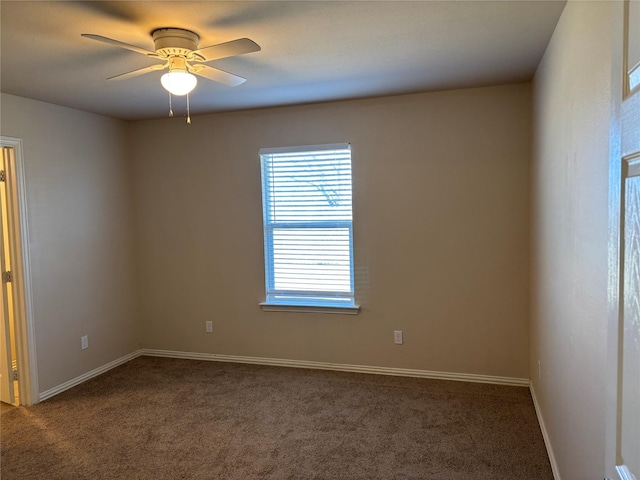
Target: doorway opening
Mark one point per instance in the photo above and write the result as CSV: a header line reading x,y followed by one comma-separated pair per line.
x,y
18,373
9,387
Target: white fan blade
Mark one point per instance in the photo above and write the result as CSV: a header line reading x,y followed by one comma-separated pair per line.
x,y
228,49
117,43
140,71
217,75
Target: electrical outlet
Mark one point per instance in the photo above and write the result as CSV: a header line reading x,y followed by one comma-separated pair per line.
x,y
84,342
397,337
209,326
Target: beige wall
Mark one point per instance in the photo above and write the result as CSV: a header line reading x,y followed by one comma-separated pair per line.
x,y
441,233
569,275
441,219
79,220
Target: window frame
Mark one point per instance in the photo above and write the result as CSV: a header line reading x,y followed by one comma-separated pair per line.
x,y
300,300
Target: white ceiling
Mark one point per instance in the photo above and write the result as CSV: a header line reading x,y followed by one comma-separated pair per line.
x,y
311,51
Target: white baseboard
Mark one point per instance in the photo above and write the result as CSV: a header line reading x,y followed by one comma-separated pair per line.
x,y
545,435
401,372
86,376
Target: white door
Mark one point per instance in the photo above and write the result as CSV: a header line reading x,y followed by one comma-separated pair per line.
x,y
6,358
626,331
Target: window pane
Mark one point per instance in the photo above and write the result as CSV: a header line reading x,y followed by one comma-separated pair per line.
x,y
307,187
312,259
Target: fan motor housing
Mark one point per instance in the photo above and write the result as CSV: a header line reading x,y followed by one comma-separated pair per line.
x,y
174,41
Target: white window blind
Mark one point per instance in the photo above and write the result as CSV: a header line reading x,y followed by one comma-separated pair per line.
x,y
308,234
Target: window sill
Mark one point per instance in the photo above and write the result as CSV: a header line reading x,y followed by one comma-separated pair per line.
x,y
339,309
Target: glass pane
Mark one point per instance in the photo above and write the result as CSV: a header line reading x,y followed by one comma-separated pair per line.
x,y
312,259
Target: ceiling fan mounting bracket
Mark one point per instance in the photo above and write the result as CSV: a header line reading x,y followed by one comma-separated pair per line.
x,y
174,41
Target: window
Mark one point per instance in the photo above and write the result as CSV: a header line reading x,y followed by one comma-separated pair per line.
x,y
308,233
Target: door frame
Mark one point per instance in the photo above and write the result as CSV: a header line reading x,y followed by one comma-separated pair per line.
x,y
17,220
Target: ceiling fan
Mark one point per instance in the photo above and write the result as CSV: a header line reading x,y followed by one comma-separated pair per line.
x,y
178,50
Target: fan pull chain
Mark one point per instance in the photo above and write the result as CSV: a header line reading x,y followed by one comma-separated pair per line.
x,y
170,109
188,115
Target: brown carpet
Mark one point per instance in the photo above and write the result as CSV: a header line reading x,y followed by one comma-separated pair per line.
x,y
157,418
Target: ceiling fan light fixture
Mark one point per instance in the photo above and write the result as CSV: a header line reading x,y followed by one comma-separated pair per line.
x,y
180,51
178,82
